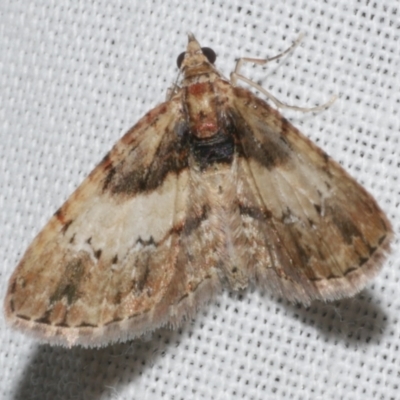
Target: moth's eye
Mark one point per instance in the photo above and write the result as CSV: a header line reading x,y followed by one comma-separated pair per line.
x,y
210,54
180,58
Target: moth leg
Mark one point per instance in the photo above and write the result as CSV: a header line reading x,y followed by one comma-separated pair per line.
x,y
262,61
235,76
173,89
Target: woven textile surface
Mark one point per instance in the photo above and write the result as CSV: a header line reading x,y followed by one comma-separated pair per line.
x,y
75,75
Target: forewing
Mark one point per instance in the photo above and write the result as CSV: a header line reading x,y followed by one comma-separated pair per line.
x,y
313,231
108,266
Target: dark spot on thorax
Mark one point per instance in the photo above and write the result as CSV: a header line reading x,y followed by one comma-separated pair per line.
x,y
218,148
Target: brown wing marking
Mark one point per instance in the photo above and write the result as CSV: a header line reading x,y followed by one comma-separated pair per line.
x,y
109,265
328,234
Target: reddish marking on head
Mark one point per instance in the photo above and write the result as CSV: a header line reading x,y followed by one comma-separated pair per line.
x,y
206,127
198,89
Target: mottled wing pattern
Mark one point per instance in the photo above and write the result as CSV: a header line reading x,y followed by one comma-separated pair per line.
x,y
109,265
313,232
211,187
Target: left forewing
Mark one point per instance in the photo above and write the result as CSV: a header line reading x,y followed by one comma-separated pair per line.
x,y
105,266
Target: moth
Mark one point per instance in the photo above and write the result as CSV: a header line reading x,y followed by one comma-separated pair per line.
x,y
212,188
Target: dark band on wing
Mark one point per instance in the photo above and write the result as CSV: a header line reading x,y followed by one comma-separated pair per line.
x,y
273,151
171,157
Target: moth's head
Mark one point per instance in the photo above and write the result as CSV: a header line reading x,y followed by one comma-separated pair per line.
x,y
196,57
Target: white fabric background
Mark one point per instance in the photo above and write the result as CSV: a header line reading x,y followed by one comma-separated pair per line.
x,y
75,75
